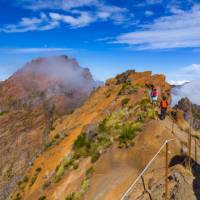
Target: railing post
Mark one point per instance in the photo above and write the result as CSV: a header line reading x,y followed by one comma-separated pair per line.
x,y
190,147
196,150
190,137
166,171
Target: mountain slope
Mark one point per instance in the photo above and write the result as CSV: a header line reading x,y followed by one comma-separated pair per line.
x,y
98,143
30,101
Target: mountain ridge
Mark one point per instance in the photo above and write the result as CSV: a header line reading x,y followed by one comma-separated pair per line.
x,y
111,106
30,101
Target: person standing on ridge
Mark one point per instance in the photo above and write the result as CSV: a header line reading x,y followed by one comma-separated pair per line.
x,y
154,95
150,87
163,107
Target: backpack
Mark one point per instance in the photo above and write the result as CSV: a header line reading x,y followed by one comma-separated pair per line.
x,y
154,93
164,103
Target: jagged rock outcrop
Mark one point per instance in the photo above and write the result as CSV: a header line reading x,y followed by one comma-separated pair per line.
x,y
189,110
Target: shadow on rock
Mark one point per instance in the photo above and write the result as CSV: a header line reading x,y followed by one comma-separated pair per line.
x,y
184,160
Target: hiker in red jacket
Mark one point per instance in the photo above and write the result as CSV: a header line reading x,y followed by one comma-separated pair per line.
x,y
154,95
163,107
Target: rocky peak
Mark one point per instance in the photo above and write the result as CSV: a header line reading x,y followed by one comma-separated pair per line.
x,y
45,78
30,101
189,108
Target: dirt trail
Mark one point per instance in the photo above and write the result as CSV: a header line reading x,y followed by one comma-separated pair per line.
x,y
118,168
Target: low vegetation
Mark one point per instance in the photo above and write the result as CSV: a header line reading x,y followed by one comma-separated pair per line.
x,y
70,196
122,126
128,133
55,141
35,176
83,187
67,163
21,184
42,198
128,88
3,113
18,197
125,101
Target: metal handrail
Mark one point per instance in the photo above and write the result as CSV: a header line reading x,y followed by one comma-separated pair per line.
x,y
145,169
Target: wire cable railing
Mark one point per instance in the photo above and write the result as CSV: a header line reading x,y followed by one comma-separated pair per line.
x,y
146,167
165,146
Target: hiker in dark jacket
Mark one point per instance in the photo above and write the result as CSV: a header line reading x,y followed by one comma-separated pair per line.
x,y
163,108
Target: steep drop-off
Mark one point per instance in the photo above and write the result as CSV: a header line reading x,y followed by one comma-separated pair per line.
x,y
30,101
95,152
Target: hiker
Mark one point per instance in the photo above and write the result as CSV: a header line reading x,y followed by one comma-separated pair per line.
x,y
163,107
150,86
154,95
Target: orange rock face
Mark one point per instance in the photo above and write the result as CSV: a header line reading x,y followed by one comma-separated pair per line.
x,y
30,101
116,167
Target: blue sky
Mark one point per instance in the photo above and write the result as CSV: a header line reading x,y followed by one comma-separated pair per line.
x,y
108,36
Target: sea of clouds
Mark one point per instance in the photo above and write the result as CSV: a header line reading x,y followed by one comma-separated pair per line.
x,y
187,84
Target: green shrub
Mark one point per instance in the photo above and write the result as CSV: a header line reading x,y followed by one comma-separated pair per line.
x,y
59,173
18,197
144,103
128,88
126,135
39,169
75,165
57,136
82,152
125,101
66,163
51,143
85,185
42,198
46,185
25,179
33,180
141,117
55,140
89,172
151,113
3,112
95,156
70,196
102,125
136,126
80,141
52,128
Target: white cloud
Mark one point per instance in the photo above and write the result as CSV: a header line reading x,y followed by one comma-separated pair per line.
x,y
32,50
191,90
56,4
40,23
73,15
180,30
154,1
82,20
189,73
178,83
148,13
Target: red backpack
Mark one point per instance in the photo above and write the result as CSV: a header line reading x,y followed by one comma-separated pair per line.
x,y
155,93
